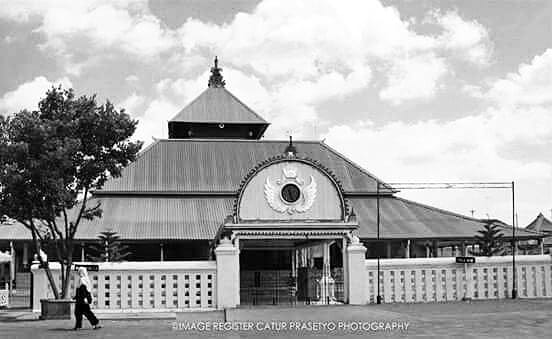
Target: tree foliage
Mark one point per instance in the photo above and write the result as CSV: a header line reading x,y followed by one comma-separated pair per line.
x,y
51,159
490,240
108,248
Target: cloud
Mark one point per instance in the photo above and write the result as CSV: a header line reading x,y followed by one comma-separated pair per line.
x,y
414,78
304,39
297,54
128,27
133,78
28,94
294,44
132,103
530,85
468,39
78,30
471,148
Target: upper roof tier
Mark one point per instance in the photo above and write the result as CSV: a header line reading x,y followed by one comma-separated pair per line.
x,y
218,166
217,113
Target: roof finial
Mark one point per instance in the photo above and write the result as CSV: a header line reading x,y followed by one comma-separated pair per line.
x,y
290,150
216,80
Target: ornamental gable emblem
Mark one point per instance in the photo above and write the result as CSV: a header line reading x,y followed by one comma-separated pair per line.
x,y
289,193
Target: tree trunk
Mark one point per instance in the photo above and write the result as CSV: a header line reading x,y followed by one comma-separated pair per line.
x,y
36,242
65,288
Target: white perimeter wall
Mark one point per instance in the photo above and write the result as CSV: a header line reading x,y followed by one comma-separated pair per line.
x,y
442,279
140,286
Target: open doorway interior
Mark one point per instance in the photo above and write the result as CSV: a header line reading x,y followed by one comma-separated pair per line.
x,y
290,273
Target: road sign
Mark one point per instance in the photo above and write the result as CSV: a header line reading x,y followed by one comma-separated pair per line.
x,y
465,260
89,267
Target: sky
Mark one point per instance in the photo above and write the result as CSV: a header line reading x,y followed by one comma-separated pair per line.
x,y
413,91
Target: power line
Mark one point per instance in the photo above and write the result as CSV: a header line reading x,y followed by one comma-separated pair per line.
x,y
395,187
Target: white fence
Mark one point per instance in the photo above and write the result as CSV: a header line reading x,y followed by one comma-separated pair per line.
x,y
442,279
141,286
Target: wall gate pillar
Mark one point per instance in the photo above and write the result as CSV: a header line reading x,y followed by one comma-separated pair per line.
x,y
228,274
356,271
40,285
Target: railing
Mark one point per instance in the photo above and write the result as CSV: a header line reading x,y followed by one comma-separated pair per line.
x,y
141,286
442,279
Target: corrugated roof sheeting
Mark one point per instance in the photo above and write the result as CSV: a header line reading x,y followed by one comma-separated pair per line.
x,y
143,218
220,165
198,218
404,219
14,231
218,105
540,224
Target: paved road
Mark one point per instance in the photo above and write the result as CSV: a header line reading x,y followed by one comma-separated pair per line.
x,y
491,319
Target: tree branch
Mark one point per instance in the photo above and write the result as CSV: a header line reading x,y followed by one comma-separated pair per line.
x,y
81,211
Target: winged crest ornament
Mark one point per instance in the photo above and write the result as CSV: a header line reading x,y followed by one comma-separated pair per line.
x,y
289,193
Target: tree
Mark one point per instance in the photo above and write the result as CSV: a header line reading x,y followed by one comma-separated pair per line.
x,y
51,159
490,240
108,248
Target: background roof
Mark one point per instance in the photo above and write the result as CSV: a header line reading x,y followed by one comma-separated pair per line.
x,y
540,224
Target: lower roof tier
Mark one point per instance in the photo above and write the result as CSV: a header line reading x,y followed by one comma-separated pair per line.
x,y
199,218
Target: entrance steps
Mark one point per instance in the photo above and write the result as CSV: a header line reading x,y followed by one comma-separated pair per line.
x,y
302,312
277,313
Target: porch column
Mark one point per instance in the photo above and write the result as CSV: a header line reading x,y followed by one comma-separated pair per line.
x,y
435,246
25,255
293,263
427,250
407,249
345,270
83,257
162,252
541,246
388,249
356,261
228,274
325,293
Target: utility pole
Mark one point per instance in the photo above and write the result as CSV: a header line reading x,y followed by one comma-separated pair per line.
x,y
514,276
378,298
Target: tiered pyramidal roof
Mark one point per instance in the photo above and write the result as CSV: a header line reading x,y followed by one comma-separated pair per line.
x,y
217,114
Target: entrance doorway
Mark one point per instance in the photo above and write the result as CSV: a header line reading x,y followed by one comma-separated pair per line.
x,y
291,273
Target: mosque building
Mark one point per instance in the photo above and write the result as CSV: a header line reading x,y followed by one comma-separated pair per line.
x,y
292,205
